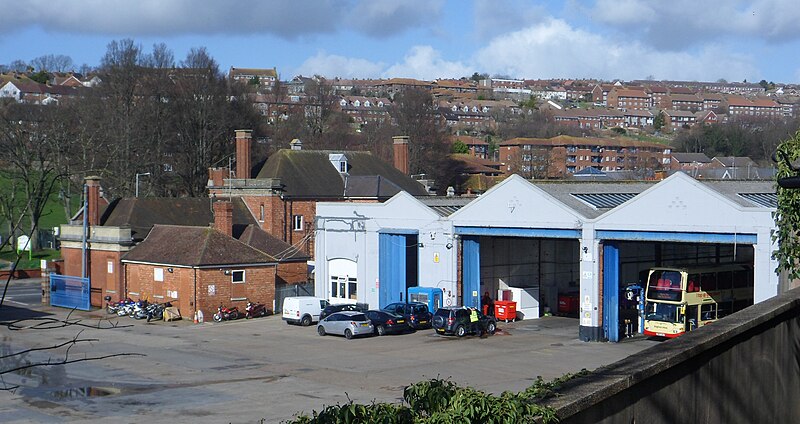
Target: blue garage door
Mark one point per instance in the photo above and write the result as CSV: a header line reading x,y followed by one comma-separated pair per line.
x,y
611,291
472,271
391,268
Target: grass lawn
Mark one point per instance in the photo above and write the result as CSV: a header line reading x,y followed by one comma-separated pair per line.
x,y
8,256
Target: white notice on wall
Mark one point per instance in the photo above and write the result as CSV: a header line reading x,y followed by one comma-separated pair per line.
x,y
586,319
212,290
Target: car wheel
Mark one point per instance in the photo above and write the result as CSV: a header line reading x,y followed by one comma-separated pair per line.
x,y
348,334
461,331
491,327
321,330
381,330
306,321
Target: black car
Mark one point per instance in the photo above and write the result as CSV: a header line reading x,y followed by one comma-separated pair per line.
x,y
330,309
387,322
456,321
416,314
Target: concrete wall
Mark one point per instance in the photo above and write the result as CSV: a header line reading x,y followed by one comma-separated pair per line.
x,y
744,368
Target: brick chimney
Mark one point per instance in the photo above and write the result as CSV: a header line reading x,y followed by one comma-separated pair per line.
x,y
216,177
93,200
400,146
243,139
223,217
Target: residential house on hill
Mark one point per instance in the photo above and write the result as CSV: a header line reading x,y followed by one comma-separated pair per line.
x,y
477,147
628,99
561,156
266,78
691,162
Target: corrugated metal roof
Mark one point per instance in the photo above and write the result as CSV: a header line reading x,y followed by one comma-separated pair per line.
x,y
604,200
445,206
765,200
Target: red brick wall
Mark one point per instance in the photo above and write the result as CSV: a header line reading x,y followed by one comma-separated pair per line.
x,y
259,287
97,272
292,273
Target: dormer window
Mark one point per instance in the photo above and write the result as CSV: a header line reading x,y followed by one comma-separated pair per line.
x,y
366,103
339,161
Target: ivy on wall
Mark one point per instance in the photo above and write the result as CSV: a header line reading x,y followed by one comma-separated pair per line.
x,y
787,216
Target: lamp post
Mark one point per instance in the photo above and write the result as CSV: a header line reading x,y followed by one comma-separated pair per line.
x,y
137,181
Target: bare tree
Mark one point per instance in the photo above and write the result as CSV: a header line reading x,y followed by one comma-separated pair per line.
x,y
52,63
416,117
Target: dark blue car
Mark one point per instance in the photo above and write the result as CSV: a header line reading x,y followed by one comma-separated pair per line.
x,y
416,314
387,322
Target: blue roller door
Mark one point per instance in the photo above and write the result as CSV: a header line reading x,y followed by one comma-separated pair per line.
x,y
472,271
391,268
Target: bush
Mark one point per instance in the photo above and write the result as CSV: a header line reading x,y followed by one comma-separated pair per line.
x,y
442,401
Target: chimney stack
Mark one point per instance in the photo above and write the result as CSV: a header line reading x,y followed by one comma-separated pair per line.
x,y
92,200
400,146
223,217
243,139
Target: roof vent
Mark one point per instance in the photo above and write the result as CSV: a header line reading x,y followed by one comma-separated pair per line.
x,y
296,144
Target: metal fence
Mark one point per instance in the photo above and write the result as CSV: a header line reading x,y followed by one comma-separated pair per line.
x,y
283,291
70,292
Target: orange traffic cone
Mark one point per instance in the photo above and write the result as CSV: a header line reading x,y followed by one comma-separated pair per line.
x,y
195,317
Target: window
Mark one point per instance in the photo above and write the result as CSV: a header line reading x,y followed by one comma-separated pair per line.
x,y
344,287
297,222
110,267
238,287
261,213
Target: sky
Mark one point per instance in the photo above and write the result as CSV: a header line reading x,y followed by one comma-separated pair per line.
x,y
692,40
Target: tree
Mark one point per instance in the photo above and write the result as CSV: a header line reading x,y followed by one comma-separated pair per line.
x,y
52,63
42,77
459,147
787,215
658,121
413,111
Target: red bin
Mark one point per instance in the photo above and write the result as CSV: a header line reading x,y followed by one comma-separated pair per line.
x,y
568,304
505,310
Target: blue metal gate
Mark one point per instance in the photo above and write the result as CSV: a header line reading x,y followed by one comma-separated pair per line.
x,y
391,268
611,291
70,292
472,271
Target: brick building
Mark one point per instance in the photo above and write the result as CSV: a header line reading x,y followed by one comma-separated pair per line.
x,y
282,195
561,156
115,228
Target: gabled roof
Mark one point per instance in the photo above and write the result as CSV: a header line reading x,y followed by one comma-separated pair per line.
x,y
734,161
309,173
140,214
254,236
474,165
195,247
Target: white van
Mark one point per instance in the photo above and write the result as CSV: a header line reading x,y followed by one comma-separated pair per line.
x,y
303,310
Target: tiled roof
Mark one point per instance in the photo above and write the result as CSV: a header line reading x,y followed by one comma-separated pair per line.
x,y
194,246
309,173
254,236
140,214
564,140
690,157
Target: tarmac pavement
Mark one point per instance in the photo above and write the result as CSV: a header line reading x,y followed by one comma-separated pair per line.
x,y
247,370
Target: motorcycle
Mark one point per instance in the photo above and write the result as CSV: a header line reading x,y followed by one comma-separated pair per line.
x,y
113,307
225,314
139,310
255,310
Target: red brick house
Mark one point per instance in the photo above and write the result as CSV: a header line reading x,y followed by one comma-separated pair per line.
x,y
198,269
115,228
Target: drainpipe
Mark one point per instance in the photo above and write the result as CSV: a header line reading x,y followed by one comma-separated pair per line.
x,y
85,228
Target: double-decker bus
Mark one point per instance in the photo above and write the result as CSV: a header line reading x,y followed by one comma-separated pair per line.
x,y
678,300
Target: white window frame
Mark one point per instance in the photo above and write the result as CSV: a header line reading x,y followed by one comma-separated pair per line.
x,y
297,222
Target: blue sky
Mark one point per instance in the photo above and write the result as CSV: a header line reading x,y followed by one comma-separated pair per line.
x,y
427,39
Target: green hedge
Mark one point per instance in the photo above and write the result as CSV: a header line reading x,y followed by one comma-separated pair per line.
x,y
442,401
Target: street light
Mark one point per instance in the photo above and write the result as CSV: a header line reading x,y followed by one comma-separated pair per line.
x,y
137,181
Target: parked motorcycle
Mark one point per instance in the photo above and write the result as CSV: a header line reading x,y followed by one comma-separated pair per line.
x,y
226,314
139,310
113,307
255,310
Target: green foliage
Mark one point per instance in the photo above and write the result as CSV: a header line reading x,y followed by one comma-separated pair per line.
x,y
459,147
787,216
41,77
658,121
619,130
254,81
441,401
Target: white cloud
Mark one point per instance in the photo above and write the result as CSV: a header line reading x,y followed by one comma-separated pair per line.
x,y
426,63
339,66
555,49
677,24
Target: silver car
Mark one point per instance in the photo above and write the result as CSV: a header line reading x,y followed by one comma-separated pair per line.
x,y
346,323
